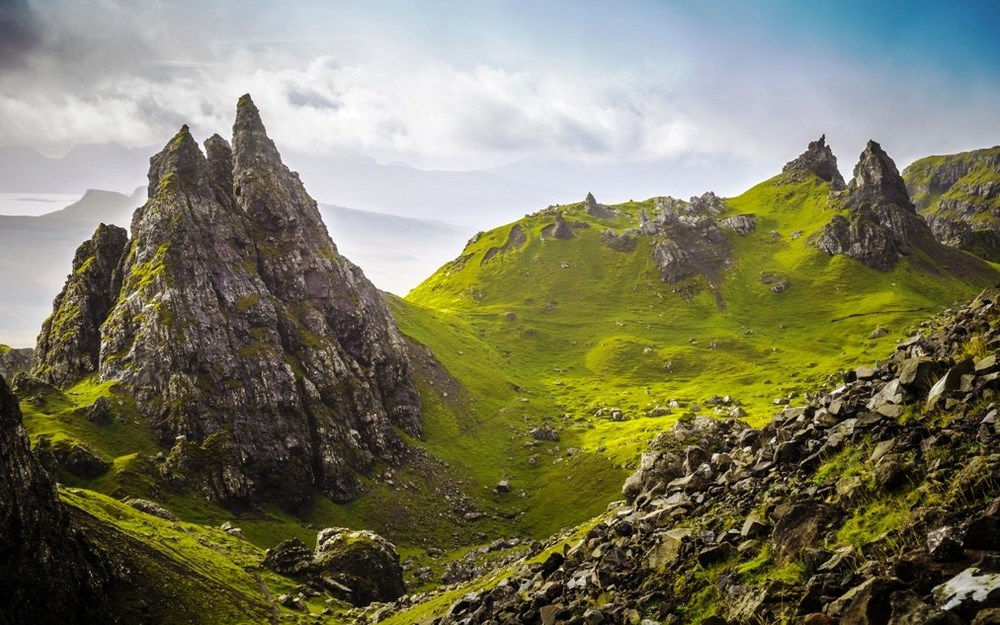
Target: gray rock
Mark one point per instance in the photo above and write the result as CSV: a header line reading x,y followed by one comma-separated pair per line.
x,y
69,344
50,574
231,276
908,609
740,224
151,507
818,160
971,590
362,561
945,544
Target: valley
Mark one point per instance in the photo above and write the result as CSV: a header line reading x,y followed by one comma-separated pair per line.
x,y
217,386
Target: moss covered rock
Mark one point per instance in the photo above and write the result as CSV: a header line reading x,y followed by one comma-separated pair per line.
x,y
362,561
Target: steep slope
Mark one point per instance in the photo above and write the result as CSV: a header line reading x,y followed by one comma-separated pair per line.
x,y
50,573
240,331
959,194
662,308
876,502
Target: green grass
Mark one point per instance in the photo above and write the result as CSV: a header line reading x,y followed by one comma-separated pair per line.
x,y
574,326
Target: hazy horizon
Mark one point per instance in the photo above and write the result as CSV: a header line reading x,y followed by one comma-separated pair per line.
x,y
628,100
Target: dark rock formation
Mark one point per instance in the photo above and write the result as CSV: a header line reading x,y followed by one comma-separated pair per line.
x,y
558,230
362,561
881,226
245,337
358,566
818,159
599,211
69,344
516,239
13,360
49,574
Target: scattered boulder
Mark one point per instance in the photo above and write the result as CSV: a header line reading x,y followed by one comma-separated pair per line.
x,y
545,433
290,558
150,507
973,589
362,561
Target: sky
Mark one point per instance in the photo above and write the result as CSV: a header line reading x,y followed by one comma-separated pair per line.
x,y
671,96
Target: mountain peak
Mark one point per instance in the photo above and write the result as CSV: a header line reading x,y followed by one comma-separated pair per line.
x,y
876,179
818,159
237,326
178,165
251,145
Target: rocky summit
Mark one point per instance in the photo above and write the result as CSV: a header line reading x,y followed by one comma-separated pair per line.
x,y
879,225
265,358
819,160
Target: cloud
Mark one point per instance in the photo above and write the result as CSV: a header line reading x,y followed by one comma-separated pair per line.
x,y
110,70
18,34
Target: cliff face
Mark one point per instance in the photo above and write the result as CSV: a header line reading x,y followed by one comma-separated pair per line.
x,y
959,195
49,574
247,339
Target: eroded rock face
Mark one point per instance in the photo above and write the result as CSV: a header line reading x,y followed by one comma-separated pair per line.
x,y
14,360
881,225
69,344
49,574
959,195
818,159
244,335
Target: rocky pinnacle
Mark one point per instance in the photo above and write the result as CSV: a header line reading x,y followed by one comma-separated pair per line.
x,y
265,359
818,159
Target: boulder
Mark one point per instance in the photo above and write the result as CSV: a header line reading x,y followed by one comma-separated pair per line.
x,y
945,544
867,603
290,558
801,526
362,561
973,589
908,609
152,508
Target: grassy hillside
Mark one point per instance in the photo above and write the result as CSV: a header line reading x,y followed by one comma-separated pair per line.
x,y
567,332
522,331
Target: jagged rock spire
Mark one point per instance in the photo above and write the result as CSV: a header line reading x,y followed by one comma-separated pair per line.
x,y
818,159
876,179
69,343
881,226
238,327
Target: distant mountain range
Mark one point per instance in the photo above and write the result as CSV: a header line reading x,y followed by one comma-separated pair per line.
x,y
396,253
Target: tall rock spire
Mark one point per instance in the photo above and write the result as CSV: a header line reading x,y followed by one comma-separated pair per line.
x,y
246,338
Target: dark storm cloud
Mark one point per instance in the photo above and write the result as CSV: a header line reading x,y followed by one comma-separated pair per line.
x,y
19,33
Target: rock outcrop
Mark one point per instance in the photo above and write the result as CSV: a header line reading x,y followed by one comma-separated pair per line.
x,y
881,226
819,160
49,573
594,209
69,344
959,195
357,566
13,360
252,346
686,237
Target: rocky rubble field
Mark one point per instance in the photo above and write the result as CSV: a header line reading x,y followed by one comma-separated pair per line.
x,y
875,502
